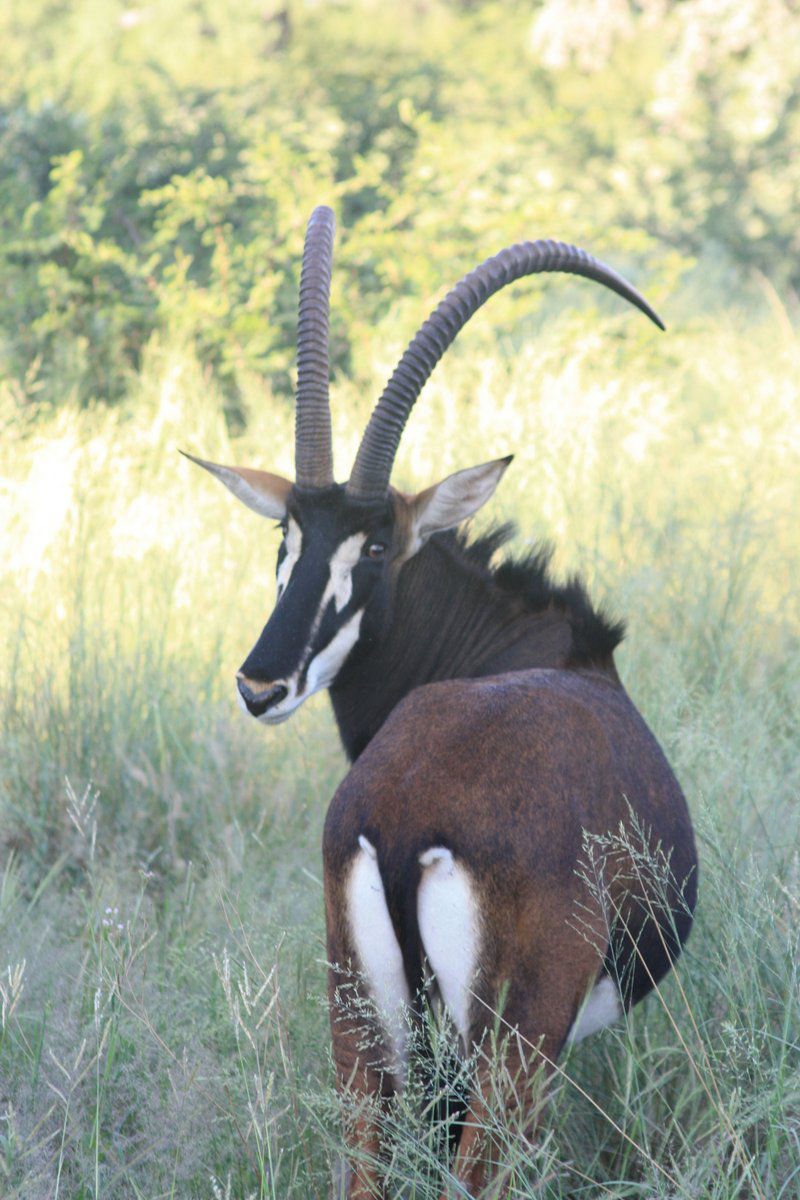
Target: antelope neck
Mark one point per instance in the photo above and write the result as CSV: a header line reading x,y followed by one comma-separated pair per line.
x,y
448,620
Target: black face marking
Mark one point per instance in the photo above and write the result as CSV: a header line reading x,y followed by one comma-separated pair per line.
x,y
322,528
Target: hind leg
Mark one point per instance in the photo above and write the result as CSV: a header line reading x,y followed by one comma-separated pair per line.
x,y
369,1006
507,1099
511,1083
363,1083
511,964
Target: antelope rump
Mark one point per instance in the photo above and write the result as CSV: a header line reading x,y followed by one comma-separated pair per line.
x,y
489,734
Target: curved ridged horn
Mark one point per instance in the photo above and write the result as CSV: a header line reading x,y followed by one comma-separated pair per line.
x,y
312,445
369,479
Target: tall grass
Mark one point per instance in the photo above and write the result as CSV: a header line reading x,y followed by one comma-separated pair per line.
x,y
162,972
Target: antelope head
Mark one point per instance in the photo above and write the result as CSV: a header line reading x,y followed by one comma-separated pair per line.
x,y
344,544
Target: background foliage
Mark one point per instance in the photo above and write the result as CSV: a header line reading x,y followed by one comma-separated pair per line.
x,y
157,163
163,1031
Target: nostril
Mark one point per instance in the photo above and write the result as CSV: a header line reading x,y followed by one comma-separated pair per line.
x,y
260,700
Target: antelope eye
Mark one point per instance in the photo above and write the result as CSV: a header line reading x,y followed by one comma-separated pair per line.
x,y
375,550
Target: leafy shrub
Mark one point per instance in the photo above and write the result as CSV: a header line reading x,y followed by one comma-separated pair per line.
x,y
157,164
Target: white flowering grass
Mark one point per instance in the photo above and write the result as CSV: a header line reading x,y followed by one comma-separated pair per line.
x,y
162,978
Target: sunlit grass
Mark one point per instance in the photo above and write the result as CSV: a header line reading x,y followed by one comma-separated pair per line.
x,y
161,929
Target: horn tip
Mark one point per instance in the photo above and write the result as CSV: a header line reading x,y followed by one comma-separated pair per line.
x,y
199,462
650,312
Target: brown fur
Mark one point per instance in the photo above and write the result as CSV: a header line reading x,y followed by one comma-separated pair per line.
x,y
507,772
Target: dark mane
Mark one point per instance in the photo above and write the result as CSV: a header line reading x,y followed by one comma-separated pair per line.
x,y
528,577
459,613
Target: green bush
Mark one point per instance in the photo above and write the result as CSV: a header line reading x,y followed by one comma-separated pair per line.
x,y
157,164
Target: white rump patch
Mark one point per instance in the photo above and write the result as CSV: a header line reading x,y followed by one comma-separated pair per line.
x,y
602,1007
449,925
378,952
294,544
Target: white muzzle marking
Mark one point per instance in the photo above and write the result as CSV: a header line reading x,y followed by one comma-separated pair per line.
x,y
323,669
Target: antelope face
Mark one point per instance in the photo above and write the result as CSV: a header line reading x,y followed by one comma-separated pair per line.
x,y
332,599
336,567
342,545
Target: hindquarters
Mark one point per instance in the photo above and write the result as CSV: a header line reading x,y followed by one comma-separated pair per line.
x,y
522,843
543,799
496,961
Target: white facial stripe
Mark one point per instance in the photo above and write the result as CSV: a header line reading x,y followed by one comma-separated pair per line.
x,y
449,925
340,584
378,951
323,669
321,673
294,544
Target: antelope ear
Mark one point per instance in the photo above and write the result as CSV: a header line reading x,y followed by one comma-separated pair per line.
x,y
264,493
450,502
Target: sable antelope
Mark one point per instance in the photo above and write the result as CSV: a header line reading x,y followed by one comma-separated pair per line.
x,y
488,731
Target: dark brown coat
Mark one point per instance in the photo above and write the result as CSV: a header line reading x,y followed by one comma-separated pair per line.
x,y
511,772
